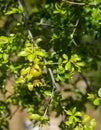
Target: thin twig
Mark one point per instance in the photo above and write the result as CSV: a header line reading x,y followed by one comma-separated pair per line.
x,y
54,63
86,82
76,24
51,97
78,3
30,34
48,25
83,4
26,22
42,24
47,107
73,3
51,75
13,113
49,69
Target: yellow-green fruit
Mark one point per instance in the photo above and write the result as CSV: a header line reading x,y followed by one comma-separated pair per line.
x,y
35,71
37,83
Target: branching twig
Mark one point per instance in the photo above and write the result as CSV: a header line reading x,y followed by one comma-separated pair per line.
x,y
73,3
42,24
83,4
51,75
86,82
52,94
26,22
48,104
49,69
76,24
78,3
13,113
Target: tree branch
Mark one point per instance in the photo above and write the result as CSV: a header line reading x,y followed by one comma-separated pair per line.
x,y
26,22
86,82
14,113
49,69
73,3
72,35
83,4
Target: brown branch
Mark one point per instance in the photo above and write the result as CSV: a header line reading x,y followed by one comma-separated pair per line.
x,y
49,101
13,113
32,38
86,82
82,4
26,22
72,35
73,3
76,24
51,75
49,69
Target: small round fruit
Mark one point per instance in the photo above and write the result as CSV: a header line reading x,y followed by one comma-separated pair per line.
x,y
35,71
37,83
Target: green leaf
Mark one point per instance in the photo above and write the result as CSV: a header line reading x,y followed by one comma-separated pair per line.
x,y
67,123
60,78
30,109
39,53
36,61
57,6
54,36
30,86
92,124
71,119
74,110
48,93
59,9
34,116
56,11
97,101
43,118
14,11
29,76
68,66
99,92
3,40
61,70
75,58
65,57
68,112
38,40
86,127
77,119
20,80
60,60
78,114
5,56
81,64
31,57
24,71
1,55
23,53
78,128
91,96
85,118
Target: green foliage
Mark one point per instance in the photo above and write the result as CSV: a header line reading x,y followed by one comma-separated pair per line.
x,y
96,98
4,110
76,121
43,43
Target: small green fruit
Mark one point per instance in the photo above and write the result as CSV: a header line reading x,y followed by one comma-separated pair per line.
x,y
35,71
